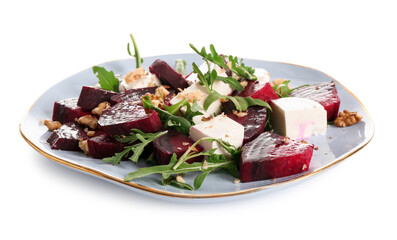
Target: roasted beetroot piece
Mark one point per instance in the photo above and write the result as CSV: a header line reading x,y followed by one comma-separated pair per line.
x,y
125,115
132,95
273,156
254,122
168,75
254,89
101,145
67,137
173,142
90,97
67,111
323,93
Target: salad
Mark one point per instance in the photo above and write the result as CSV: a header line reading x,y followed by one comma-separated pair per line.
x,y
222,116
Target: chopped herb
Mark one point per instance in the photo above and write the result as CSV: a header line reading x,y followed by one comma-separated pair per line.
x,y
137,148
136,55
107,80
239,69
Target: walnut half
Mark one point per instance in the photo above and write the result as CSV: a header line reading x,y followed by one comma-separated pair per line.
x,y
347,118
51,125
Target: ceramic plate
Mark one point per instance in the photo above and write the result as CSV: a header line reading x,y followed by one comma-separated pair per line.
x,y
335,146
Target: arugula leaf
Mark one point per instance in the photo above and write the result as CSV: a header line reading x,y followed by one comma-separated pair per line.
x,y
107,80
283,90
137,56
232,82
179,123
137,148
236,68
241,103
198,181
167,170
192,111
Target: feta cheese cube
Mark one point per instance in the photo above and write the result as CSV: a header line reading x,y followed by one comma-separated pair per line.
x,y
220,127
298,118
262,75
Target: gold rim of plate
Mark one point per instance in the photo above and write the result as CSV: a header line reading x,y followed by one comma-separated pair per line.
x,y
204,196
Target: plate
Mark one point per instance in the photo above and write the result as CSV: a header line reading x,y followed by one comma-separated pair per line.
x,y
333,147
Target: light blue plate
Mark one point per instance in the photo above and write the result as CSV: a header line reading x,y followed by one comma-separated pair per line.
x,y
335,146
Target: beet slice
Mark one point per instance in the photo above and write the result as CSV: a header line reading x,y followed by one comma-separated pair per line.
x,y
271,156
101,145
168,75
323,93
66,110
259,90
254,122
132,95
135,95
90,97
125,115
254,89
173,142
67,137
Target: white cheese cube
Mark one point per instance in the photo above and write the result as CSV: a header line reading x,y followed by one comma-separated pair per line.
x,y
220,127
298,118
147,80
262,75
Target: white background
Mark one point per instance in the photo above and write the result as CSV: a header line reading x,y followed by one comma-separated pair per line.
x,y
44,42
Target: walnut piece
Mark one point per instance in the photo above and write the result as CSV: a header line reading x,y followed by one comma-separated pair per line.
x,y
102,106
190,96
88,121
206,119
240,114
52,125
279,81
134,75
90,133
244,83
180,179
347,118
83,145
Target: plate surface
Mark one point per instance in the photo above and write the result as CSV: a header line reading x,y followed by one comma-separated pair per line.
x,y
335,146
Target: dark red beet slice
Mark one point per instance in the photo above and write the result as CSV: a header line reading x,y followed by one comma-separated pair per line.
x,y
67,111
270,156
132,95
135,95
124,116
173,142
323,93
168,75
254,122
90,97
66,137
254,89
259,90
101,145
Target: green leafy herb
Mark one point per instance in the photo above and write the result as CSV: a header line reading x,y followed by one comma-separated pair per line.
x,y
167,170
107,80
137,148
238,69
283,89
137,56
179,166
241,103
168,119
180,66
